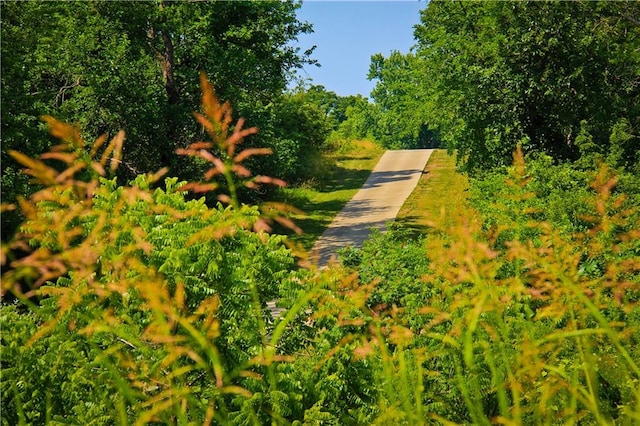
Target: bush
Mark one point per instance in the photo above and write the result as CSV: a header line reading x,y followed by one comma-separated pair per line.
x,y
153,306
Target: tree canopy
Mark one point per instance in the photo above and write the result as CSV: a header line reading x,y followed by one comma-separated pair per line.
x,y
113,65
399,96
490,75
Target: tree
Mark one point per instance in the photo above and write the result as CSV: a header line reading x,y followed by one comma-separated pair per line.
x,y
332,105
499,74
361,120
113,65
303,126
399,95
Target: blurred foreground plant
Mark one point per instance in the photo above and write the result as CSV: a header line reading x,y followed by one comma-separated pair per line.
x,y
509,324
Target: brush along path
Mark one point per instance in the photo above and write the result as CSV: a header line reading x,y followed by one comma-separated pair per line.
x,y
376,203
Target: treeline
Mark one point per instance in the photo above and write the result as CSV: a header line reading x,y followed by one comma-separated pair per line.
x,y
487,76
107,66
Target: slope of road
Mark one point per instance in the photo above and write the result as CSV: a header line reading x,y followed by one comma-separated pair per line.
x,y
376,203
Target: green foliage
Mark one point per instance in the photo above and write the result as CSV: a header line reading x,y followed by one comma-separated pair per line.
x,y
140,304
61,378
361,118
395,262
112,65
155,304
304,127
398,94
495,75
332,106
347,118
523,320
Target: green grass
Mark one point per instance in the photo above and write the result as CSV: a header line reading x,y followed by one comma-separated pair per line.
x,y
323,198
440,189
440,197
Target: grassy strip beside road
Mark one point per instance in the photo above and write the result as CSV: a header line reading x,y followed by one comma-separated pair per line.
x,y
322,199
440,196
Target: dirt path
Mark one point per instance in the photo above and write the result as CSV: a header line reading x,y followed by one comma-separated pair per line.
x,y
376,203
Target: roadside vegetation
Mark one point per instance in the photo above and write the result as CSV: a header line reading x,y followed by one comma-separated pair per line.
x,y
135,287
321,198
440,198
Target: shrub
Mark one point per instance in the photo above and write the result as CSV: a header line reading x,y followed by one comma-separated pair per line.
x,y
154,306
501,322
138,304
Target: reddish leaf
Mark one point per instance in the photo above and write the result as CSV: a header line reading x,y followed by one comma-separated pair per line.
x,y
6,207
97,144
115,146
240,170
250,152
270,180
219,164
69,172
205,123
203,153
64,131
224,198
288,223
157,175
261,225
201,145
211,173
199,187
36,168
185,151
117,155
65,157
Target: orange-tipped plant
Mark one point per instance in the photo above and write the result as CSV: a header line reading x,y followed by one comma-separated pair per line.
x,y
164,298
216,120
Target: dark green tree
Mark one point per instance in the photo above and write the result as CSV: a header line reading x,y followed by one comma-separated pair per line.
x,y
301,126
361,120
112,65
399,95
496,74
331,104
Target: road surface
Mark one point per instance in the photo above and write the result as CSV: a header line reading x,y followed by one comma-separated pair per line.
x,y
376,203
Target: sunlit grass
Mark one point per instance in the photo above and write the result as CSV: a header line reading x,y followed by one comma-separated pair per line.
x,y
323,198
440,196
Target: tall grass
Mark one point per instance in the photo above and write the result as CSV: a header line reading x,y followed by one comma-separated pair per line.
x,y
440,196
137,306
508,327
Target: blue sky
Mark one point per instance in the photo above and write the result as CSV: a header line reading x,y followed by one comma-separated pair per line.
x,y
347,33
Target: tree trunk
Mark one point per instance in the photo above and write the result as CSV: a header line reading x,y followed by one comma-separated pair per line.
x,y
167,62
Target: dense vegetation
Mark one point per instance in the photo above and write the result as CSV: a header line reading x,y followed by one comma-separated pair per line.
x,y
487,76
116,65
130,297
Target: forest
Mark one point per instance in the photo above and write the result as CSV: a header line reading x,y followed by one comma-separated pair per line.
x,y
145,148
